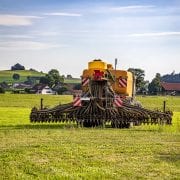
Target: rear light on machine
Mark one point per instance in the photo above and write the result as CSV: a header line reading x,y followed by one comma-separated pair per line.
x,y
98,75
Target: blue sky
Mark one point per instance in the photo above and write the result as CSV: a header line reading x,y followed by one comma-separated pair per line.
x,y
66,34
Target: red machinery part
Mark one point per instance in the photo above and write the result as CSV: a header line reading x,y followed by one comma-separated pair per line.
x,y
98,75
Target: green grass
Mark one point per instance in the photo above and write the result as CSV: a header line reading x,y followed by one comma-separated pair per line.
x,y
153,102
6,75
63,151
73,81
29,101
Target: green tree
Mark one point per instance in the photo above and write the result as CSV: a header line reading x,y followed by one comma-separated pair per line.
x,y
2,90
27,90
54,73
44,80
139,75
155,85
69,76
16,76
61,90
52,78
77,87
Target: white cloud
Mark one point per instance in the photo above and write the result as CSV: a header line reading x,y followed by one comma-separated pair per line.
x,y
26,45
131,8
50,33
63,14
16,20
156,34
15,36
125,9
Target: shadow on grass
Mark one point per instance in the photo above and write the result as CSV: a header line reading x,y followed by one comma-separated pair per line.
x,y
170,158
67,126
39,126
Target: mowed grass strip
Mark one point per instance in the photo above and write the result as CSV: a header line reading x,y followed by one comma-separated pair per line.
x,y
75,153
63,151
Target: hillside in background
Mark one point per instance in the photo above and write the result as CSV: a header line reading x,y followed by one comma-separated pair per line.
x,y
7,76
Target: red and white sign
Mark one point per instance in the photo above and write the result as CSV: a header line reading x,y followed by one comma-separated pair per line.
x,y
123,82
117,101
85,81
77,101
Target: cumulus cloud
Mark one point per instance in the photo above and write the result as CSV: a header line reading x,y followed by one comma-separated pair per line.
x,y
16,20
63,14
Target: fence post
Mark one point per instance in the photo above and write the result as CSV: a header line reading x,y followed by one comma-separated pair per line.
x,y
164,106
41,103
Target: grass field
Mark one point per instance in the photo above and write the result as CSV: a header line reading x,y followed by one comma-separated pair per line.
x,y
63,151
73,81
7,75
153,102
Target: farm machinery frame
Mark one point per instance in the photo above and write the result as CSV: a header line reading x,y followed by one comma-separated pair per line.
x,y
108,96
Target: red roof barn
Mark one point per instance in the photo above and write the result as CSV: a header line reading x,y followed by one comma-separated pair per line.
x,y
171,87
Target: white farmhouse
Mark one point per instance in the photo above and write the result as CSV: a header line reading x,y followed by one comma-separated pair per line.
x,y
43,89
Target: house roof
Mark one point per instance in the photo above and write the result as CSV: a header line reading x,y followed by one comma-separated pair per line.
x,y
77,91
21,86
39,87
4,85
171,86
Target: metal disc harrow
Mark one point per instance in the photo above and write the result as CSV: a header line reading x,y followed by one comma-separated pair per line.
x,y
100,108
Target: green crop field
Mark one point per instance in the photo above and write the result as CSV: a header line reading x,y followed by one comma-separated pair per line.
x,y
64,151
73,81
154,102
7,75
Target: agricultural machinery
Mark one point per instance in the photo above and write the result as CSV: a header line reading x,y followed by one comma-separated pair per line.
x,y
108,97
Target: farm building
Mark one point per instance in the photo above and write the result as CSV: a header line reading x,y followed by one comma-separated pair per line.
x,y
77,92
171,88
17,67
42,89
21,85
4,85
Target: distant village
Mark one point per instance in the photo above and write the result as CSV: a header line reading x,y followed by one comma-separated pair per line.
x,y
38,82
18,80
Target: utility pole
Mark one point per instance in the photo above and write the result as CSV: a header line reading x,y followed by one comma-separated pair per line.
x,y
115,64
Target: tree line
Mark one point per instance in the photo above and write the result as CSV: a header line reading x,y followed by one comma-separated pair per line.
x,y
146,87
53,78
